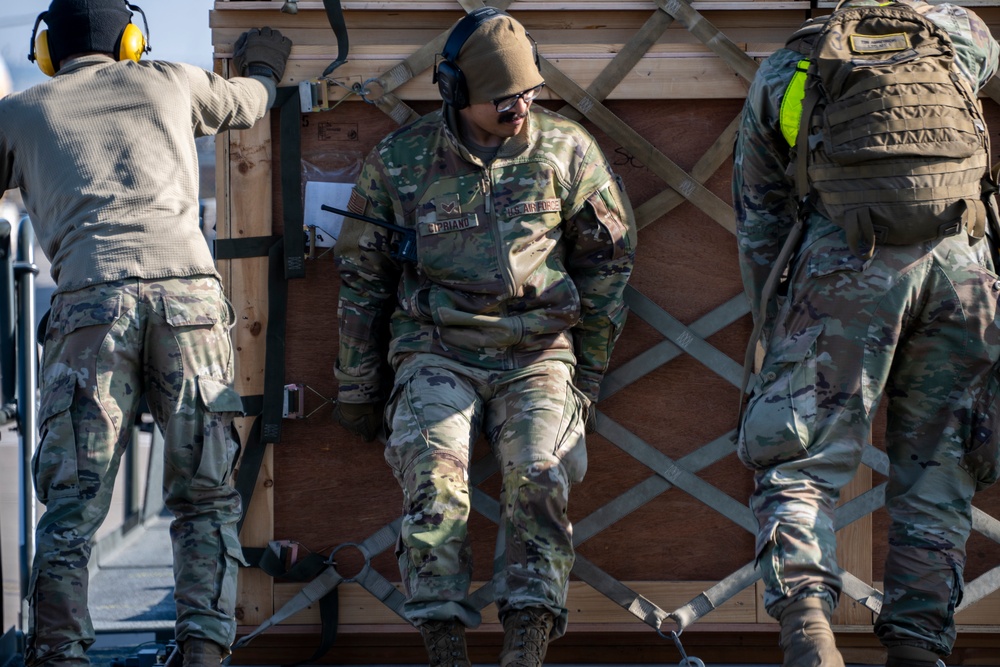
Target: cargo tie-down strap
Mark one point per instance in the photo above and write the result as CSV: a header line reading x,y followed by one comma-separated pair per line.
x,y
266,409
323,580
286,260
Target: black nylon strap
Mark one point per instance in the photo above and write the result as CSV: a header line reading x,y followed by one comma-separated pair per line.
x,y
253,246
290,137
336,17
253,405
246,477
274,360
267,407
329,615
272,561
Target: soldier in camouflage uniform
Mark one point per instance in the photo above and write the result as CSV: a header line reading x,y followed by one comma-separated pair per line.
x,y
104,156
503,326
915,324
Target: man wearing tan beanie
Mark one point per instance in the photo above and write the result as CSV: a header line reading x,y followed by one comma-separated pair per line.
x,y
502,326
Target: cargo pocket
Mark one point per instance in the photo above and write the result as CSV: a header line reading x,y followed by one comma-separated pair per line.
x,y
572,446
411,443
232,559
54,463
219,403
608,211
192,311
356,326
69,315
779,419
981,447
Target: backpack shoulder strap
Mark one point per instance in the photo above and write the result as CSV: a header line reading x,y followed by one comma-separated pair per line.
x,y
802,40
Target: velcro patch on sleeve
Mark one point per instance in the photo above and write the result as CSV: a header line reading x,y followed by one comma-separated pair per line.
x,y
528,207
358,203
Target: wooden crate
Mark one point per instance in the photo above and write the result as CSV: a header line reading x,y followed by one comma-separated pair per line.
x,y
666,121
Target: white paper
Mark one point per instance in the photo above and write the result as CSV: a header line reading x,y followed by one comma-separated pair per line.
x,y
327,224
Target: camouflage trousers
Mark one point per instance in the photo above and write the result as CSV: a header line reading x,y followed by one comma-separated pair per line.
x,y
534,420
915,325
104,348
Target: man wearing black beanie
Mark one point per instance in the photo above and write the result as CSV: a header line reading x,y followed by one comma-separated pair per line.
x,y
85,26
104,156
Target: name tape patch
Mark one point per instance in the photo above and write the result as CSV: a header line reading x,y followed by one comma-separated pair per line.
x,y
528,207
880,43
445,226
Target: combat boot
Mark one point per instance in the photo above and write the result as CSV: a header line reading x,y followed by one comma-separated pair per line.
x,y
806,635
201,653
526,637
911,656
445,642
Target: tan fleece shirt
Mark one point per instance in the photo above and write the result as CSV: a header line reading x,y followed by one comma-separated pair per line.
x,y
105,158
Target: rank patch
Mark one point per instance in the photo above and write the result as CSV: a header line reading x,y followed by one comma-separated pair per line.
x,y
448,206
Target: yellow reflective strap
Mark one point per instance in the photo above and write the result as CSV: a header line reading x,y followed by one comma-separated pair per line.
x,y
791,103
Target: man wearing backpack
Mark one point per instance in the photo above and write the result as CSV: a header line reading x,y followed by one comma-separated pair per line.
x,y
890,292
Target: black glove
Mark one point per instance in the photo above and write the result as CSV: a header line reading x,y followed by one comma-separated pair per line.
x,y
361,419
261,52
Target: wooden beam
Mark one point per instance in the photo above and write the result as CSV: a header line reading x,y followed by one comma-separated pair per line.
x,y
247,215
854,552
517,5
587,605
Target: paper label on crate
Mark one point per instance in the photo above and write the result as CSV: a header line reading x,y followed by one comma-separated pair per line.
x,y
327,224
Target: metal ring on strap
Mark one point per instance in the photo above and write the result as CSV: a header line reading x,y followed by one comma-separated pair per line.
x,y
331,560
363,90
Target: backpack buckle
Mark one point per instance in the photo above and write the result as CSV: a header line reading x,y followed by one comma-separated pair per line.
x,y
881,234
949,228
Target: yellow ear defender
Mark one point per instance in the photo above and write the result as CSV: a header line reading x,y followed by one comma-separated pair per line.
x,y
131,45
40,52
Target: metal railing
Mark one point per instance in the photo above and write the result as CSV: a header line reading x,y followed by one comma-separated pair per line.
x,y
19,385
19,390
19,352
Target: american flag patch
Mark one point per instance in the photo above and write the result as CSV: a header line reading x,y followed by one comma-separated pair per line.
x,y
358,203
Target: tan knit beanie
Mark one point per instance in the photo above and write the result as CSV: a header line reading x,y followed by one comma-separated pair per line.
x,y
498,60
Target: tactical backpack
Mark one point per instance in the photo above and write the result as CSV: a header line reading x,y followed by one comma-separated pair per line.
x,y
904,155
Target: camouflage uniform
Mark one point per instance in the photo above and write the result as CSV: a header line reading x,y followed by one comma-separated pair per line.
x,y
138,310
916,324
504,326
105,347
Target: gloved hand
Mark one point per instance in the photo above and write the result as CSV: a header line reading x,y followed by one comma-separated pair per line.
x,y
261,52
361,419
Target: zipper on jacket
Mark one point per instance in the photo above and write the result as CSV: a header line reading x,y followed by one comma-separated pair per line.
x,y
503,260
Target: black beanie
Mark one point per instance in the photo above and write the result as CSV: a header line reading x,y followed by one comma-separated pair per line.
x,y
79,26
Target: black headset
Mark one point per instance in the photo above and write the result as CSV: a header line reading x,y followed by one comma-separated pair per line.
x,y
130,46
452,85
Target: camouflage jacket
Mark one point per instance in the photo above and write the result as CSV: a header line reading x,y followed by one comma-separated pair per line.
x,y
520,260
764,191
